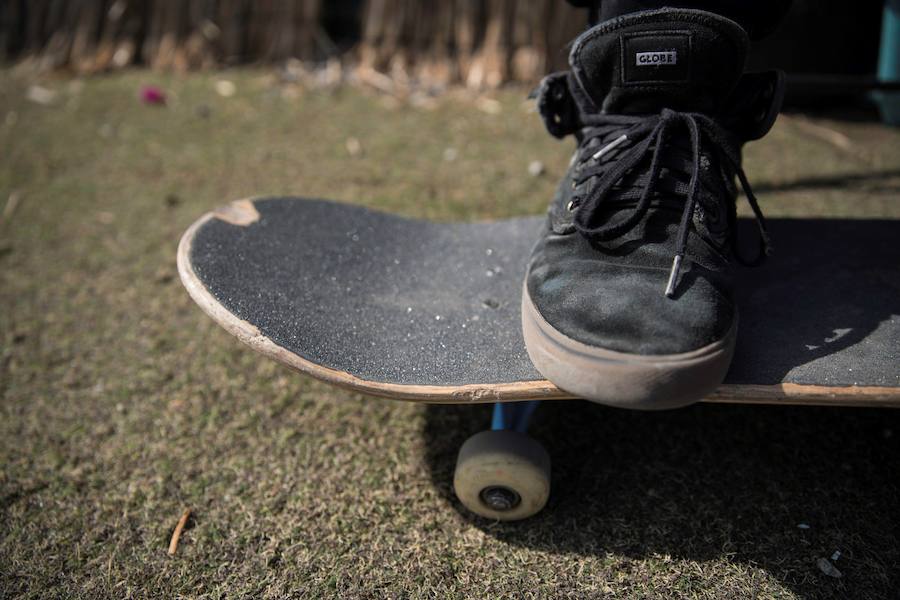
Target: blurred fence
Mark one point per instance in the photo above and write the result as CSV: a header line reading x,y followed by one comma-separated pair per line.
x,y
481,43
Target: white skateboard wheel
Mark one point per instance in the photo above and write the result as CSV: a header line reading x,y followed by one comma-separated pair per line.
x,y
503,475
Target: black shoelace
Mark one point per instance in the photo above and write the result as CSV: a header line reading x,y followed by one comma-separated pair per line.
x,y
648,135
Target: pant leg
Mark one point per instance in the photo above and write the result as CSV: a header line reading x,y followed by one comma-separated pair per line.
x,y
757,17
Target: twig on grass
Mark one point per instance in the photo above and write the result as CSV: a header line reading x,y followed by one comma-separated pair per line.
x,y
822,133
176,535
12,203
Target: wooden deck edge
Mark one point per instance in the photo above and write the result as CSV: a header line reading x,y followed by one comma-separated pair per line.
x,y
813,395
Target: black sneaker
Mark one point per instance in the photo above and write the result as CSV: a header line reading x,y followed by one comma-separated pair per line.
x,y
628,300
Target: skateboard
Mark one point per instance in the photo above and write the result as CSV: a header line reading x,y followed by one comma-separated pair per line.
x,y
425,311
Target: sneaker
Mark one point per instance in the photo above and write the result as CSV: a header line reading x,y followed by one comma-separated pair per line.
x,y
628,300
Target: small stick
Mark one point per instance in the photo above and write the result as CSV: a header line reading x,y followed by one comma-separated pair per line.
x,y
826,134
176,535
12,203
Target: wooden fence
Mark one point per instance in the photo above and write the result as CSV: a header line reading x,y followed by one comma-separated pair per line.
x,y
481,43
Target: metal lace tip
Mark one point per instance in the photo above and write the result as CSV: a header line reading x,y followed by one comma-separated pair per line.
x,y
609,146
673,276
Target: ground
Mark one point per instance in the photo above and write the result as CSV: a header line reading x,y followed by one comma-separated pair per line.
x,y
123,404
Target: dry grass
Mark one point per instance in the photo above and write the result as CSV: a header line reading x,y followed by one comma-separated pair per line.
x,y
123,405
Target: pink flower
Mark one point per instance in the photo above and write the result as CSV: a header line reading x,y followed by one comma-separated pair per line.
x,y
151,94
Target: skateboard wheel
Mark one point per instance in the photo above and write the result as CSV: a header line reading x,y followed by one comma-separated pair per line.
x,y
503,475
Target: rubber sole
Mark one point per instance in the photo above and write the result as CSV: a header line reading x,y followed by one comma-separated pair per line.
x,y
635,381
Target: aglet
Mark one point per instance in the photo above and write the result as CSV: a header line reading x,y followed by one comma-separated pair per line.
x,y
609,146
673,276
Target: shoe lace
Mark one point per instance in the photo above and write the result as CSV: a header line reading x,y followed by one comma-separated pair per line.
x,y
648,135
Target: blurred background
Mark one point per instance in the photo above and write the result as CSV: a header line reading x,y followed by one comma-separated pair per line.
x,y
478,43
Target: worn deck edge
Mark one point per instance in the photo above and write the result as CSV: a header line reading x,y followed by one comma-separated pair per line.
x,y
781,394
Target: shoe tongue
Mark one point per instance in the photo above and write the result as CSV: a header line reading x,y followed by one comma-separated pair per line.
x,y
686,60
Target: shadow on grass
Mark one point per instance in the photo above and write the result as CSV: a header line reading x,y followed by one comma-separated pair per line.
x,y
711,482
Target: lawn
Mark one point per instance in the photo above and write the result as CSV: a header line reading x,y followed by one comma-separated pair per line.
x,y
123,404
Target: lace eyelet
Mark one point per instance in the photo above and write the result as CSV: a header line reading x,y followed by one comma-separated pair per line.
x,y
572,205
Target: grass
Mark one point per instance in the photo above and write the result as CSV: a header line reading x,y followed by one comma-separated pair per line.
x,y
122,404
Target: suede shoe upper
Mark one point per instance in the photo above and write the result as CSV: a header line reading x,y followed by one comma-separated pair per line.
x,y
640,238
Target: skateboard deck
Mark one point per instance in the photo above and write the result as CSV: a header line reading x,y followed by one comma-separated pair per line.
x,y
427,311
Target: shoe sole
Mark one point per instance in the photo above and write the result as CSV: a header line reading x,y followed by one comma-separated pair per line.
x,y
636,381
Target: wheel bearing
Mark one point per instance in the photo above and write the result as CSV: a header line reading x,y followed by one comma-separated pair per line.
x,y
500,498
